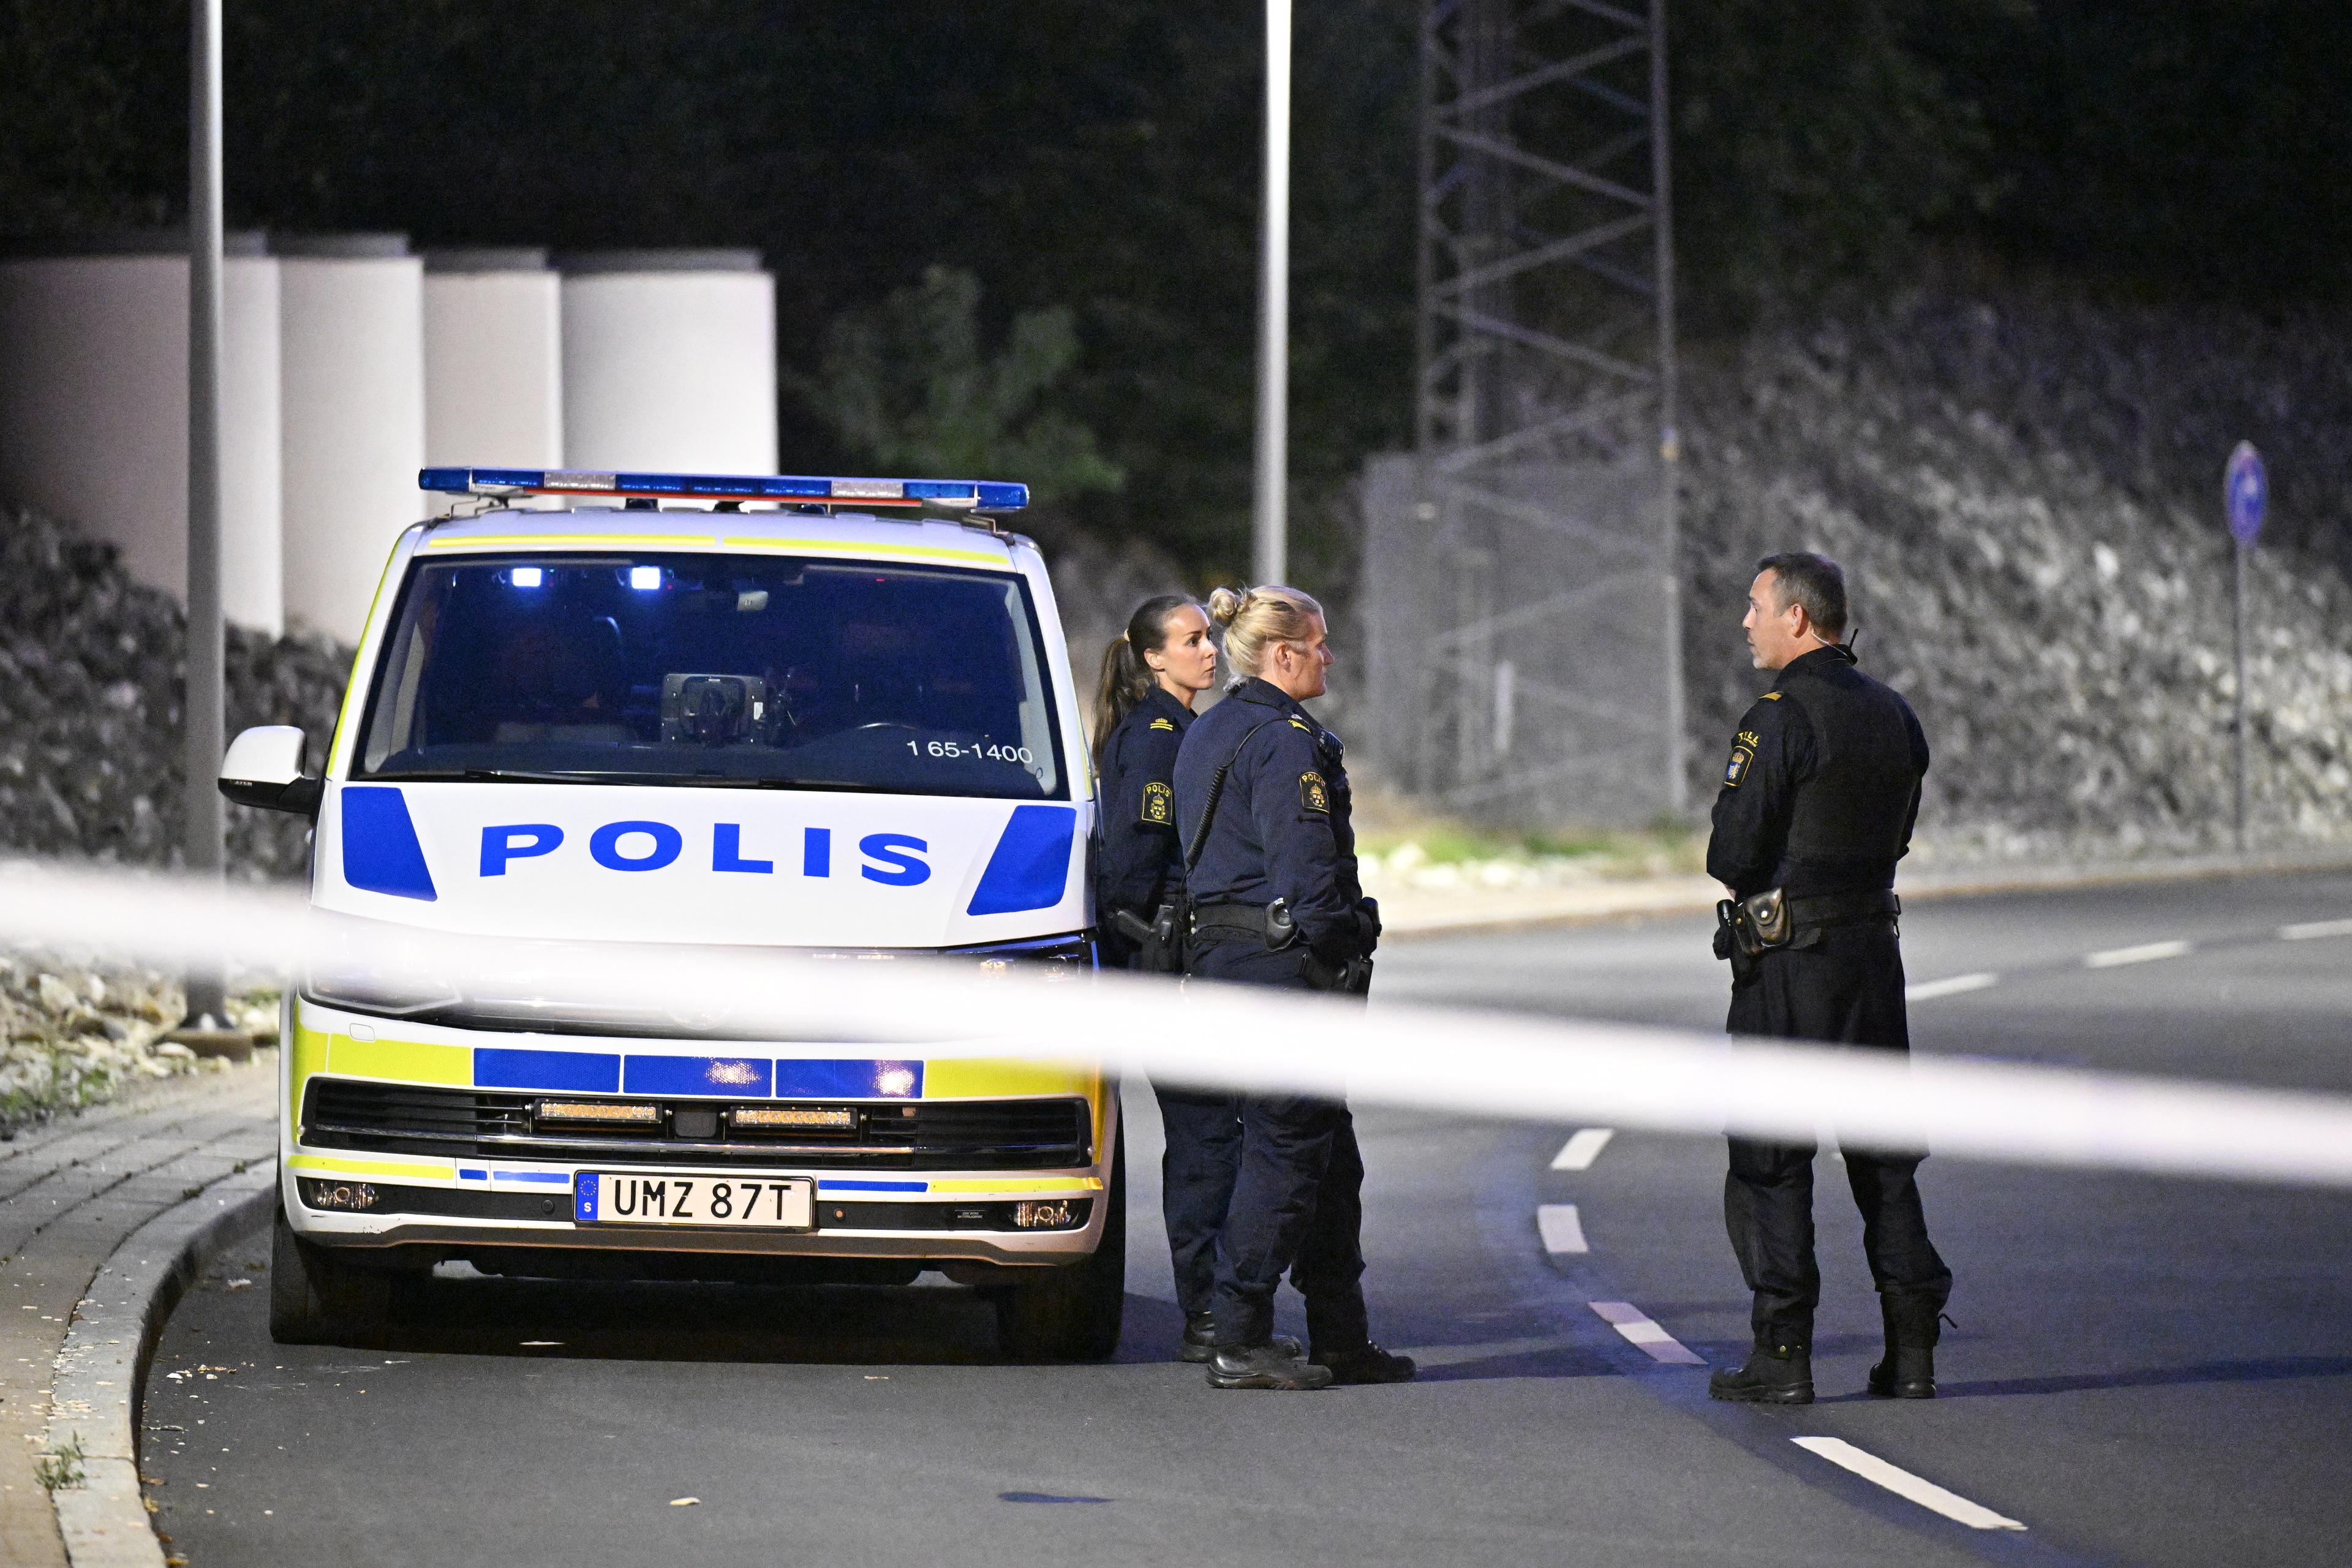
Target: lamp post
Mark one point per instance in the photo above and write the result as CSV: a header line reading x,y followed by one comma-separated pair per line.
x,y
1268,523
202,719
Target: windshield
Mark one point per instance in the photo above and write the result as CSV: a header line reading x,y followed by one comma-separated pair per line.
x,y
716,670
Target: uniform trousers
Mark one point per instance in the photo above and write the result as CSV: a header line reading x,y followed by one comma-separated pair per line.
x,y
1847,988
1203,1156
1298,1202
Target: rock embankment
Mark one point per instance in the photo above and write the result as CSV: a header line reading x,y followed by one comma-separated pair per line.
x,y
90,688
2027,501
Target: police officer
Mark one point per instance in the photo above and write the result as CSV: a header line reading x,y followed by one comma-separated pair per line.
x,y
1818,800
1152,672
1261,794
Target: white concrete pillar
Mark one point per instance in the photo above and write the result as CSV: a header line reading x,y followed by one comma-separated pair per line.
x,y
353,380
669,362
493,361
94,404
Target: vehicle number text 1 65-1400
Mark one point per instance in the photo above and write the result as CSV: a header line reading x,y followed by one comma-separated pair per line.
x,y
630,1198
972,751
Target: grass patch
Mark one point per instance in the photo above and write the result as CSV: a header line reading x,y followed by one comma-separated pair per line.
x,y
1439,841
60,1470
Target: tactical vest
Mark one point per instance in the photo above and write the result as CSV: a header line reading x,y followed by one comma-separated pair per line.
x,y
1858,802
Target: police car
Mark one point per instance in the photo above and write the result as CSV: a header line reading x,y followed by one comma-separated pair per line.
x,y
779,712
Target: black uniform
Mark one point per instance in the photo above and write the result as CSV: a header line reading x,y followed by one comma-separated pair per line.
x,y
1140,864
1281,833
1818,798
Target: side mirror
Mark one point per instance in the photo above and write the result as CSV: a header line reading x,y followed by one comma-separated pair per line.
x,y
264,768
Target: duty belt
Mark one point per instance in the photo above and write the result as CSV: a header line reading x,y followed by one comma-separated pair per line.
x,y
1842,908
1763,922
1269,923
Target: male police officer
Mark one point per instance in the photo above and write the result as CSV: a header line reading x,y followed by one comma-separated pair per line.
x,y
1817,805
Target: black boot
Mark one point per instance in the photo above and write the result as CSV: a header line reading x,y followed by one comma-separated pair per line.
x,y
1200,1341
1908,1371
1367,1362
1775,1374
1264,1366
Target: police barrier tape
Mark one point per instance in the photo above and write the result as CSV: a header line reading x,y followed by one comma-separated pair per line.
x,y
1450,1058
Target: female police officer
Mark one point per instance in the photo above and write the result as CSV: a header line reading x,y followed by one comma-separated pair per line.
x,y
1263,801
1151,674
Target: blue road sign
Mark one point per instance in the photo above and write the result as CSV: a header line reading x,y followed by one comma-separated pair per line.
x,y
2245,493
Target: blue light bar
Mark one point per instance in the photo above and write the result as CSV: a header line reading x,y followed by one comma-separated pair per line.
x,y
984,495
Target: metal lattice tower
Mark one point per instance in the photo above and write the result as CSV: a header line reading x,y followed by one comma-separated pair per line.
x,y
1544,442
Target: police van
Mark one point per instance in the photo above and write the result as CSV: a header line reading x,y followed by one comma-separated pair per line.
x,y
690,712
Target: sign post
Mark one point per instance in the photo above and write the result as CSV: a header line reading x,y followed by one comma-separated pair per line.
x,y
2245,496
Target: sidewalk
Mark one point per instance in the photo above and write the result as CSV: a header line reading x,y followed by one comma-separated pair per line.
x,y
71,1193
1409,911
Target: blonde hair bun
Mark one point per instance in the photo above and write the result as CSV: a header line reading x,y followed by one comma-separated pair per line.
x,y
1257,619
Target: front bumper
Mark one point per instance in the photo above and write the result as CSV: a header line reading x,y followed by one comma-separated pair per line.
x,y
504,1196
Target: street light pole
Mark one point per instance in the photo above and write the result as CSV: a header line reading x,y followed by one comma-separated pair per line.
x,y
1269,524
202,719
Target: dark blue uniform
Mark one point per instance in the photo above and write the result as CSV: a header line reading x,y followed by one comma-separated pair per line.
x,y
1141,863
1281,832
1818,798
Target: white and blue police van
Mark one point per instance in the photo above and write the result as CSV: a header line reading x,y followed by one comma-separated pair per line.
x,y
768,713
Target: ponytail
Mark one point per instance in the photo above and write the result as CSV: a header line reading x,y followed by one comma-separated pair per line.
x,y
1125,679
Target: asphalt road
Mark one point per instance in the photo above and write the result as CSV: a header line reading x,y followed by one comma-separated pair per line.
x,y
2147,1371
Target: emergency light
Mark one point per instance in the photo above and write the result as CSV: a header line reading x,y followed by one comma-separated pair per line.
x,y
982,495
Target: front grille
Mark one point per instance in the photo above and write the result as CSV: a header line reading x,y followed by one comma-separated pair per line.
x,y
967,1134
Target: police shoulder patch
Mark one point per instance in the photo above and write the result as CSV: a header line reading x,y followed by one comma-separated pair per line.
x,y
1159,803
1735,769
1314,795
1163,724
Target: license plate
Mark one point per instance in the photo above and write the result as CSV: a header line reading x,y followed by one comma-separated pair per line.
x,y
639,1197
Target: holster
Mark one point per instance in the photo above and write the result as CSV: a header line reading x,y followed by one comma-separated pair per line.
x,y
1159,942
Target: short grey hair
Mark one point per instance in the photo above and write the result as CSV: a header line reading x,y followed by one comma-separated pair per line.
x,y
1813,581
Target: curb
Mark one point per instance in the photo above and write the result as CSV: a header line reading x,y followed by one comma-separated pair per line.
x,y
1663,897
100,1372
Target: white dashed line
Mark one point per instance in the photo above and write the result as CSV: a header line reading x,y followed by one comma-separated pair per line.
x,y
1958,986
1583,1147
1560,1230
2147,952
2312,930
1653,1341
1903,1483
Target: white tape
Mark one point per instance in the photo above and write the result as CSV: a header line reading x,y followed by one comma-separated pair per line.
x,y
1455,1059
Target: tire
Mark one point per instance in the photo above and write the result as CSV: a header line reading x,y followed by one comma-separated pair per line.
x,y
1073,1312
316,1299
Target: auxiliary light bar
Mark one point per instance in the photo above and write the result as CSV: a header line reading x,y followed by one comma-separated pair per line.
x,y
984,495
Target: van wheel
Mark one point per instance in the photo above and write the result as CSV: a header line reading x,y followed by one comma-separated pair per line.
x,y
1073,1312
316,1299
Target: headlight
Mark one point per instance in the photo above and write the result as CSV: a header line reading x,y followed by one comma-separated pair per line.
x,y
376,966
1051,957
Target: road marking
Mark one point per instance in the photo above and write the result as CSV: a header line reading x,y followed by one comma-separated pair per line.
x,y
1583,1147
2311,929
1958,986
2147,952
1903,1483
1653,1341
1560,1230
